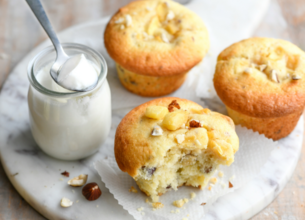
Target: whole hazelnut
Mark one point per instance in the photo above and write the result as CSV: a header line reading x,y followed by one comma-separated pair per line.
x,y
91,191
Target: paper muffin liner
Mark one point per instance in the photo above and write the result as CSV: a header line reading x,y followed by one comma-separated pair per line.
x,y
253,153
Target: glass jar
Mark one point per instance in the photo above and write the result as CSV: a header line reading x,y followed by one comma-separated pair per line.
x,y
65,124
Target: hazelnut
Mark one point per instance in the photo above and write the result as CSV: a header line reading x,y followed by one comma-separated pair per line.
x,y
79,180
66,174
65,202
91,191
230,185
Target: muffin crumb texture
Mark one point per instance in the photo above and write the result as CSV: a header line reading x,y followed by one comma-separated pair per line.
x,y
179,156
157,205
179,203
133,190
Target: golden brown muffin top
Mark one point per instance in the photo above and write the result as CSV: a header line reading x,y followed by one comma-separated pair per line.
x,y
184,124
156,38
261,77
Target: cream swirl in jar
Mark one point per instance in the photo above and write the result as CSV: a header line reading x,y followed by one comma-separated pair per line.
x,y
65,124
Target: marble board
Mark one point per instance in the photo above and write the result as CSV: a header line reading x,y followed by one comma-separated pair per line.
x,y
37,178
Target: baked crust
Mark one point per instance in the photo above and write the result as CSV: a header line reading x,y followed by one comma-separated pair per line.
x,y
255,94
275,128
131,49
149,86
134,147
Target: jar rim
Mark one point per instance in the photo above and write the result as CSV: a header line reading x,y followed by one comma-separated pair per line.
x,y
47,50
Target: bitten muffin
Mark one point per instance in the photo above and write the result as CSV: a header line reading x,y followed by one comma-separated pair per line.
x,y
261,82
170,142
155,44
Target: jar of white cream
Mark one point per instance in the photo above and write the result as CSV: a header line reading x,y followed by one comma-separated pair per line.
x,y
65,124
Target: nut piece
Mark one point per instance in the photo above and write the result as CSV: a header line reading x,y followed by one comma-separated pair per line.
x,y
172,105
65,202
296,77
180,138
79,180
230,185
128,20
248,70
164,38
91,191
157,131
156,112
157,205
274,76
119,21
262,67
195,124
170,15
66,174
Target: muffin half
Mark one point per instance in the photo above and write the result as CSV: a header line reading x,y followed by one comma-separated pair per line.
x,y
154,45
170,142
261,82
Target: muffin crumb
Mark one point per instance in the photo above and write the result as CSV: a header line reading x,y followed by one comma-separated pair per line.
x,y
220,174
140,209
193,195
132,189
158,205
179,203
213,180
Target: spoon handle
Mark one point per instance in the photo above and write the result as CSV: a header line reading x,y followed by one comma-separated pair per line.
x,y
41,15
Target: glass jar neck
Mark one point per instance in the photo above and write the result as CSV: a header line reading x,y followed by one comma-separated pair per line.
x,y
48,55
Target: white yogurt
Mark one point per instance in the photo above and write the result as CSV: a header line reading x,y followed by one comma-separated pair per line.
x,y
69,127
77,73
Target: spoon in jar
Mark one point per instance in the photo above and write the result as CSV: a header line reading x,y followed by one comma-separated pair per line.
x,y
64,65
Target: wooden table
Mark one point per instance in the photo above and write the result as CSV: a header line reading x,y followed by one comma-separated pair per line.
x,y
20,32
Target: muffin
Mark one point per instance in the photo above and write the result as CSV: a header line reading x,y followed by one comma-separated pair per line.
x,y
170,142
155,44
261,82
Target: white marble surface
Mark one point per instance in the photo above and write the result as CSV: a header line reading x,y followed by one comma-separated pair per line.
x,y
37,176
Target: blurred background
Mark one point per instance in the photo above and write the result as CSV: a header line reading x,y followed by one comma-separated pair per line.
x,y
20,33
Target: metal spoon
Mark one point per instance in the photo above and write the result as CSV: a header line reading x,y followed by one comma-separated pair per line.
x,y
61,57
